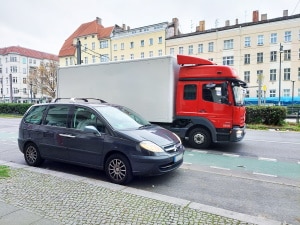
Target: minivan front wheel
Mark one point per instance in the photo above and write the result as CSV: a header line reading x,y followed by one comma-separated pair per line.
x,y
118,169
32,155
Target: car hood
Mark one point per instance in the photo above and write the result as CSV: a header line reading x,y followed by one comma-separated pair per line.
x,y
155,134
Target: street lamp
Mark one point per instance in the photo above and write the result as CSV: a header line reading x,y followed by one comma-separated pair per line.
x,y
293,95
280,52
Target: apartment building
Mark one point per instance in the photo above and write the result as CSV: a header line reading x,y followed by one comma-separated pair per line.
x,y
96,43
16,65
254,49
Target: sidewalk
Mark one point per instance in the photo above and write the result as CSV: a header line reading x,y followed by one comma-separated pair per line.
x,y
35,196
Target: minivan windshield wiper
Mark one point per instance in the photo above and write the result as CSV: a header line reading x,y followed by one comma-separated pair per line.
x,y
145,126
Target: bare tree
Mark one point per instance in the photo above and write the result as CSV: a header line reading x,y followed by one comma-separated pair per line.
x,y
43,79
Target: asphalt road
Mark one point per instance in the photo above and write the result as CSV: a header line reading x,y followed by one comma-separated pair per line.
x,y
259,176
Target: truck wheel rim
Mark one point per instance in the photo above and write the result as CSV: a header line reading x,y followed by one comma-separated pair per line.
x,y
199,138
117,169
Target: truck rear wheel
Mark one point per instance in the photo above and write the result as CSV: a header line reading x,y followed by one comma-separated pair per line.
x,y
199,138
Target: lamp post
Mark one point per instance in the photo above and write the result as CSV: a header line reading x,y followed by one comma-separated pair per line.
x,y
293,95
280,52
30,92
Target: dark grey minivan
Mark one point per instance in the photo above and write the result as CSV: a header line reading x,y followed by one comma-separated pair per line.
x,y
99,135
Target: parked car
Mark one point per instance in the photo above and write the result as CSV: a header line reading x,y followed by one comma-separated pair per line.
x,y
96,134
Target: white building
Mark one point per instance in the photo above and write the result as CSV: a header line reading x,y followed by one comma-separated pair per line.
x,y
16,63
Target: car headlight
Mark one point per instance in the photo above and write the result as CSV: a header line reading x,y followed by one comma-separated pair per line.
x,y
150,146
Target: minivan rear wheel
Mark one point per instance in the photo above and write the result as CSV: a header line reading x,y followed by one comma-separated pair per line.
x,y
32,155
118,169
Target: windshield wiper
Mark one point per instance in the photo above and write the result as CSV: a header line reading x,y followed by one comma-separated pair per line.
x,y
145,126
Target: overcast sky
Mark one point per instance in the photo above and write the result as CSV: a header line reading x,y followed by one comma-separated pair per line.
x,y
43,25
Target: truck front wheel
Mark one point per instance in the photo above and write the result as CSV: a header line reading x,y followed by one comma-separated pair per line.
x,y
199,138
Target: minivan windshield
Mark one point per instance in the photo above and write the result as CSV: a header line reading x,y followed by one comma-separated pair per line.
x,y
122,118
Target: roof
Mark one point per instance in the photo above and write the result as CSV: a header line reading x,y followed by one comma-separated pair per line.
x,y
68,49
28,53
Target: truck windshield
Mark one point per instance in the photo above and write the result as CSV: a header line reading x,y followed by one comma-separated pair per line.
x,y
239,94
122,118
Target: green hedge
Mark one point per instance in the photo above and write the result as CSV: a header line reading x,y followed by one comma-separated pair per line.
x,y
14,108
269,115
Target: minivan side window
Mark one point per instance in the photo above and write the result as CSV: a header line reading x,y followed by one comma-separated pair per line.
x,y
57,116
35,115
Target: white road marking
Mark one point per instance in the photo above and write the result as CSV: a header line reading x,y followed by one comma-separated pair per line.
x,y
231,155
265,174
267,159
220,168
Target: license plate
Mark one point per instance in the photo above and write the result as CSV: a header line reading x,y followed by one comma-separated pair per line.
x,y
178,157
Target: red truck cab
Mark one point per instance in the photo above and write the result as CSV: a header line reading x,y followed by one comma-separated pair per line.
x,y
209,103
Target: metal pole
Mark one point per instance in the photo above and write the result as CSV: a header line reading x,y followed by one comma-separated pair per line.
x,y
280,51
293,96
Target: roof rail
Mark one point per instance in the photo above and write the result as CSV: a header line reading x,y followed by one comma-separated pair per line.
x,y
79,99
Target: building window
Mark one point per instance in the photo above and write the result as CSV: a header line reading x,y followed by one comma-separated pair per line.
x,y
104,44
86,60
24,70
228,44
260,57
13,59
13,69
272,74
286,92
247,76
210,46
85,47
260,40
115,58
287,55
247,59
16,90
160,52
131,56
273,56
247,94
160,40
171,51
228,60
200,48
142,55
24,80
122,46
122,57
104,58
24,61
190,49
247,42
15,80
298,73
288,36
66,61
151,54
272,93
181,50
131,44
24,91
115,47
142,43
273,38
286,74
93,46
94,59
151,41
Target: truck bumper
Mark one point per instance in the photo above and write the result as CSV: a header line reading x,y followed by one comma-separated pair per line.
x,y
237,134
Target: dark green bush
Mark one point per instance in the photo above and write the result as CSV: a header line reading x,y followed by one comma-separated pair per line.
x,y
268,115
14,108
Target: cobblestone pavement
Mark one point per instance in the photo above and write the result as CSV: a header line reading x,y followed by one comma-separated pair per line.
x,y
88,201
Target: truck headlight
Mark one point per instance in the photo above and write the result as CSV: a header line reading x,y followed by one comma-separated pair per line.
x,y
150,146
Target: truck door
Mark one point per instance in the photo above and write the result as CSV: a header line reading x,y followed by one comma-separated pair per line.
x,y
215,103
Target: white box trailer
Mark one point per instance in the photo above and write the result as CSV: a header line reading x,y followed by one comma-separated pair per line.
x,y
148,86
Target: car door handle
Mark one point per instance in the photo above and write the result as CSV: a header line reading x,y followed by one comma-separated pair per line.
x,y
67,135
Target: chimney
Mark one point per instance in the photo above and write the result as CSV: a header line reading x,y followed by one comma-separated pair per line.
x,y
255,16
285,12
227,23
236,21
176,26
99,20
201,26
264,16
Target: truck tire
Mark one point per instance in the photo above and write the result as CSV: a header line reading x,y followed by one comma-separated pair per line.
x,y
199,138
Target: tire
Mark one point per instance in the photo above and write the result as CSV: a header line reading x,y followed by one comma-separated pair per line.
x,y
199,138
32,155
118,169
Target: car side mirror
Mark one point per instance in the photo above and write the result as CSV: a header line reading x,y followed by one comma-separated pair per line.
x,y
91,129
